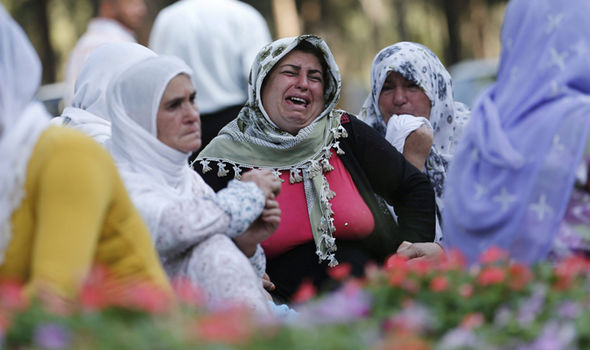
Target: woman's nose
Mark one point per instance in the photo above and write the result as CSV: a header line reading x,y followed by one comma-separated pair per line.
x,y
192,113
302,81
399,96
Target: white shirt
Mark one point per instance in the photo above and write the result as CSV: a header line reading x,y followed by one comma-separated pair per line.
x,y
100,30
218,40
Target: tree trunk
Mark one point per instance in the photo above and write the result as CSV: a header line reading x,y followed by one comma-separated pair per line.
x,y
451,9
45,49
400,14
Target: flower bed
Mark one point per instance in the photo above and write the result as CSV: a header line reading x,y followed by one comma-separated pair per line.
x,y
402,305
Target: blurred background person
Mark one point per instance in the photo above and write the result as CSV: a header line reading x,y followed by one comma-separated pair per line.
x,y
218,40
116,20
511,183
88,112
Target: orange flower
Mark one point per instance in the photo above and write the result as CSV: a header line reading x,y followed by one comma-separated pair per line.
x,y
439,284
305,292
340,271
491,275
492,255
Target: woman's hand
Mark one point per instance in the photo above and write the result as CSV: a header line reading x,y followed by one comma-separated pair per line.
x,y
265,180
267,283
261,229
423,250
417,146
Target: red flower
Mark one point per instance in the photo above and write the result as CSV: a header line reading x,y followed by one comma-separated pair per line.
x,y
439,284
231,326
187,293
305,292
396,262
340,271
145,297
397,276
519,276
491,275
492,255
410,285
420,267
453,260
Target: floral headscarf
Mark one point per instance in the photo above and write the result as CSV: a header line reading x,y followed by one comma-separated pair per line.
x,y
252,140
418,64
513,173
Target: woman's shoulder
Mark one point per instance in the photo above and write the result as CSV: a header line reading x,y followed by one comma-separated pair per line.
x,y
56,142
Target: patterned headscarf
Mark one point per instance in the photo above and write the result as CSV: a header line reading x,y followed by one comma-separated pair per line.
x,y
22,120
418,64
513,173
252,140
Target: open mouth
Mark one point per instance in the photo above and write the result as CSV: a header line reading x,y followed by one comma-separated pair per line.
x,y
298,101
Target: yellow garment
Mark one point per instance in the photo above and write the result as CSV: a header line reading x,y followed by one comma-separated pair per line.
x,y
76,213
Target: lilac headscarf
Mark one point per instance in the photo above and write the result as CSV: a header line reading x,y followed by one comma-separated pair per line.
x,y
513,172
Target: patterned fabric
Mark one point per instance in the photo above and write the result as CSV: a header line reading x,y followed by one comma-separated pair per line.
x,y
513,173
420,65
253,140
21,120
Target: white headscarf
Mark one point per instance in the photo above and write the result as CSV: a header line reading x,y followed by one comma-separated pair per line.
x,y
21,120
88,112
148,166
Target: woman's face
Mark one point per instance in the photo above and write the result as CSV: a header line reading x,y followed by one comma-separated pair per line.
x,y
402,96
178,121
293,93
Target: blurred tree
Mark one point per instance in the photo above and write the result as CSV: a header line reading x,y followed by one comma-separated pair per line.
x,y
32,15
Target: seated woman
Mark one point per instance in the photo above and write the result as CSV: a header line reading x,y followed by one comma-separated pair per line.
x,y
155,128
513,173
411,96
63,207
331,165
88,112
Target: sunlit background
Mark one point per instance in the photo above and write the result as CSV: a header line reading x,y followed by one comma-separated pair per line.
x,y
456,30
